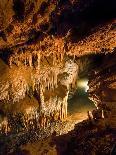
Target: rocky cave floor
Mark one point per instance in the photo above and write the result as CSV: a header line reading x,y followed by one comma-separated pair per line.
x,y
13,141
88,137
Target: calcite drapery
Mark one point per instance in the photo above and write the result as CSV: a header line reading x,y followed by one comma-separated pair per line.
x,y
29,74
37,30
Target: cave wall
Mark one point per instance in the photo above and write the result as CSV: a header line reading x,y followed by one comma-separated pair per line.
x,y
102,88
35,38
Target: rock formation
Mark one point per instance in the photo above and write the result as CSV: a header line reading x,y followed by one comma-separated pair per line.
x,y
41,46
102,88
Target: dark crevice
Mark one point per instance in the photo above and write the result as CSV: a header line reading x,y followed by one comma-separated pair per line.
x,y
82,16
19,8
34,36
43,8
5,54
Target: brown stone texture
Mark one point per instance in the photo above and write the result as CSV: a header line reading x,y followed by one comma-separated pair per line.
x,y
102,88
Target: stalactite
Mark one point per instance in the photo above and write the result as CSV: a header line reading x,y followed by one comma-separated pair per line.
x,y
89,114
10,61
64,108
62,56
30,60
67,101
102,114
41,77
4,127
38,60
54,59
42,98
18,62
55,79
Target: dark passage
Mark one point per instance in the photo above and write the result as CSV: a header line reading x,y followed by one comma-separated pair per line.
x,y
79,103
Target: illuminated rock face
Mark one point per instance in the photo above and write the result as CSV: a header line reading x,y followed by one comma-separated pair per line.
x,y
34,41
19,79
49,26
102,89
48,83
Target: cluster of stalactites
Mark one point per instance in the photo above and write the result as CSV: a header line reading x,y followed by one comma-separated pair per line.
x,y
46,76
27,59
34,120
40,80
17,86
32,59
55,105
46,79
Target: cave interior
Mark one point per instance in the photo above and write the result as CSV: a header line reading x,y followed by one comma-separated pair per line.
x,y
57,77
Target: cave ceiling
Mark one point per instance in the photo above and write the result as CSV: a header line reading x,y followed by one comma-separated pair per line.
x,y
74,27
